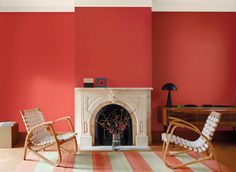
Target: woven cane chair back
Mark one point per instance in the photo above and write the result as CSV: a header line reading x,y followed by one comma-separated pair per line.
x,y
200,145
211,125
32,118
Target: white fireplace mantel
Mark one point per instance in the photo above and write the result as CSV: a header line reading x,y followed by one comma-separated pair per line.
x,y
137,101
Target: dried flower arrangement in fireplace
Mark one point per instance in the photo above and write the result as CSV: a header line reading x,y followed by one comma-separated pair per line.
x,y
114,121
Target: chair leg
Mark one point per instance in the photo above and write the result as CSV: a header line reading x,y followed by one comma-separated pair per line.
x,y
163,146
165,151
188,163
59,153
64,149
216,159
25,151
26,147
179,152
76,145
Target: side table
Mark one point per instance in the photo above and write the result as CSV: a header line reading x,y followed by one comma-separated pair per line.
x,y
8,136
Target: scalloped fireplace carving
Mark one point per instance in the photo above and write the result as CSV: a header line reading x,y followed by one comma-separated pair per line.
x,y
137,101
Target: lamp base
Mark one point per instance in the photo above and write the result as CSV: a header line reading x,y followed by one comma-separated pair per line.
x,y
169,100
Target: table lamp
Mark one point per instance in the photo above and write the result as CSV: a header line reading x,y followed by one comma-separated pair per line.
x,y
169,87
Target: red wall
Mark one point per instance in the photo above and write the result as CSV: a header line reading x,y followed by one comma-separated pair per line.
x,y
43,56
196,51
39,67
114,43
37,64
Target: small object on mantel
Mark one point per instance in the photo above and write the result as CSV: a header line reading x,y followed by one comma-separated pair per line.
x,y
101,82
8,134
88,82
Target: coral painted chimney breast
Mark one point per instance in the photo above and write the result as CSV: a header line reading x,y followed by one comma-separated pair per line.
x,y
114,43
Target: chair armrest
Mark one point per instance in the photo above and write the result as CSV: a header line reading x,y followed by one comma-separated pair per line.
x,y
62,118
174,120
68,119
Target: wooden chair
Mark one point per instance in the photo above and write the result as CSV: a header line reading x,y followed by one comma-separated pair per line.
x,y
202,144
41,134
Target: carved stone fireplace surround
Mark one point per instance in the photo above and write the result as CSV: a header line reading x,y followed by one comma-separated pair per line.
x,y
137,101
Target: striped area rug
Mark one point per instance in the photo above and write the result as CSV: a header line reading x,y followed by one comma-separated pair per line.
x,y
140,161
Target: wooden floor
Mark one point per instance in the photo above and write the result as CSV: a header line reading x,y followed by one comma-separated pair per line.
x,y
226,152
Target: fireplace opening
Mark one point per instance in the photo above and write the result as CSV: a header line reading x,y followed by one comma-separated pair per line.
x,y
102,135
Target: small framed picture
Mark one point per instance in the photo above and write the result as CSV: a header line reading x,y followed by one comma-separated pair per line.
x,y
101,82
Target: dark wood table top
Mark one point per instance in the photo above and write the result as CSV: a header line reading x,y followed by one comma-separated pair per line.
x,y
198,115
202,109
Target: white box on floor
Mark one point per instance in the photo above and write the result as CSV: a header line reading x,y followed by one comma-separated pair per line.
x,y
8,136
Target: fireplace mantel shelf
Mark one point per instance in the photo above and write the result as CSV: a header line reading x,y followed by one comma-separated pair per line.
x,y
113,88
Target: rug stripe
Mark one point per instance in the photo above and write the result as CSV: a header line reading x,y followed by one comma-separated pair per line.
x,y
119,162
196,166
43,166
101,162
29,164
155,162
26,166
211,164
137,162
174,161
83,162
67,163
116,161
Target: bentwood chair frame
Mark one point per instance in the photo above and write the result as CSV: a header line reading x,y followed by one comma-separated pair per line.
x,y
202,144
41,134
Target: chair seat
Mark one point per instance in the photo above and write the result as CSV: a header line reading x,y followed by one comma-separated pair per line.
x,y
65,136
49,139
198,145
